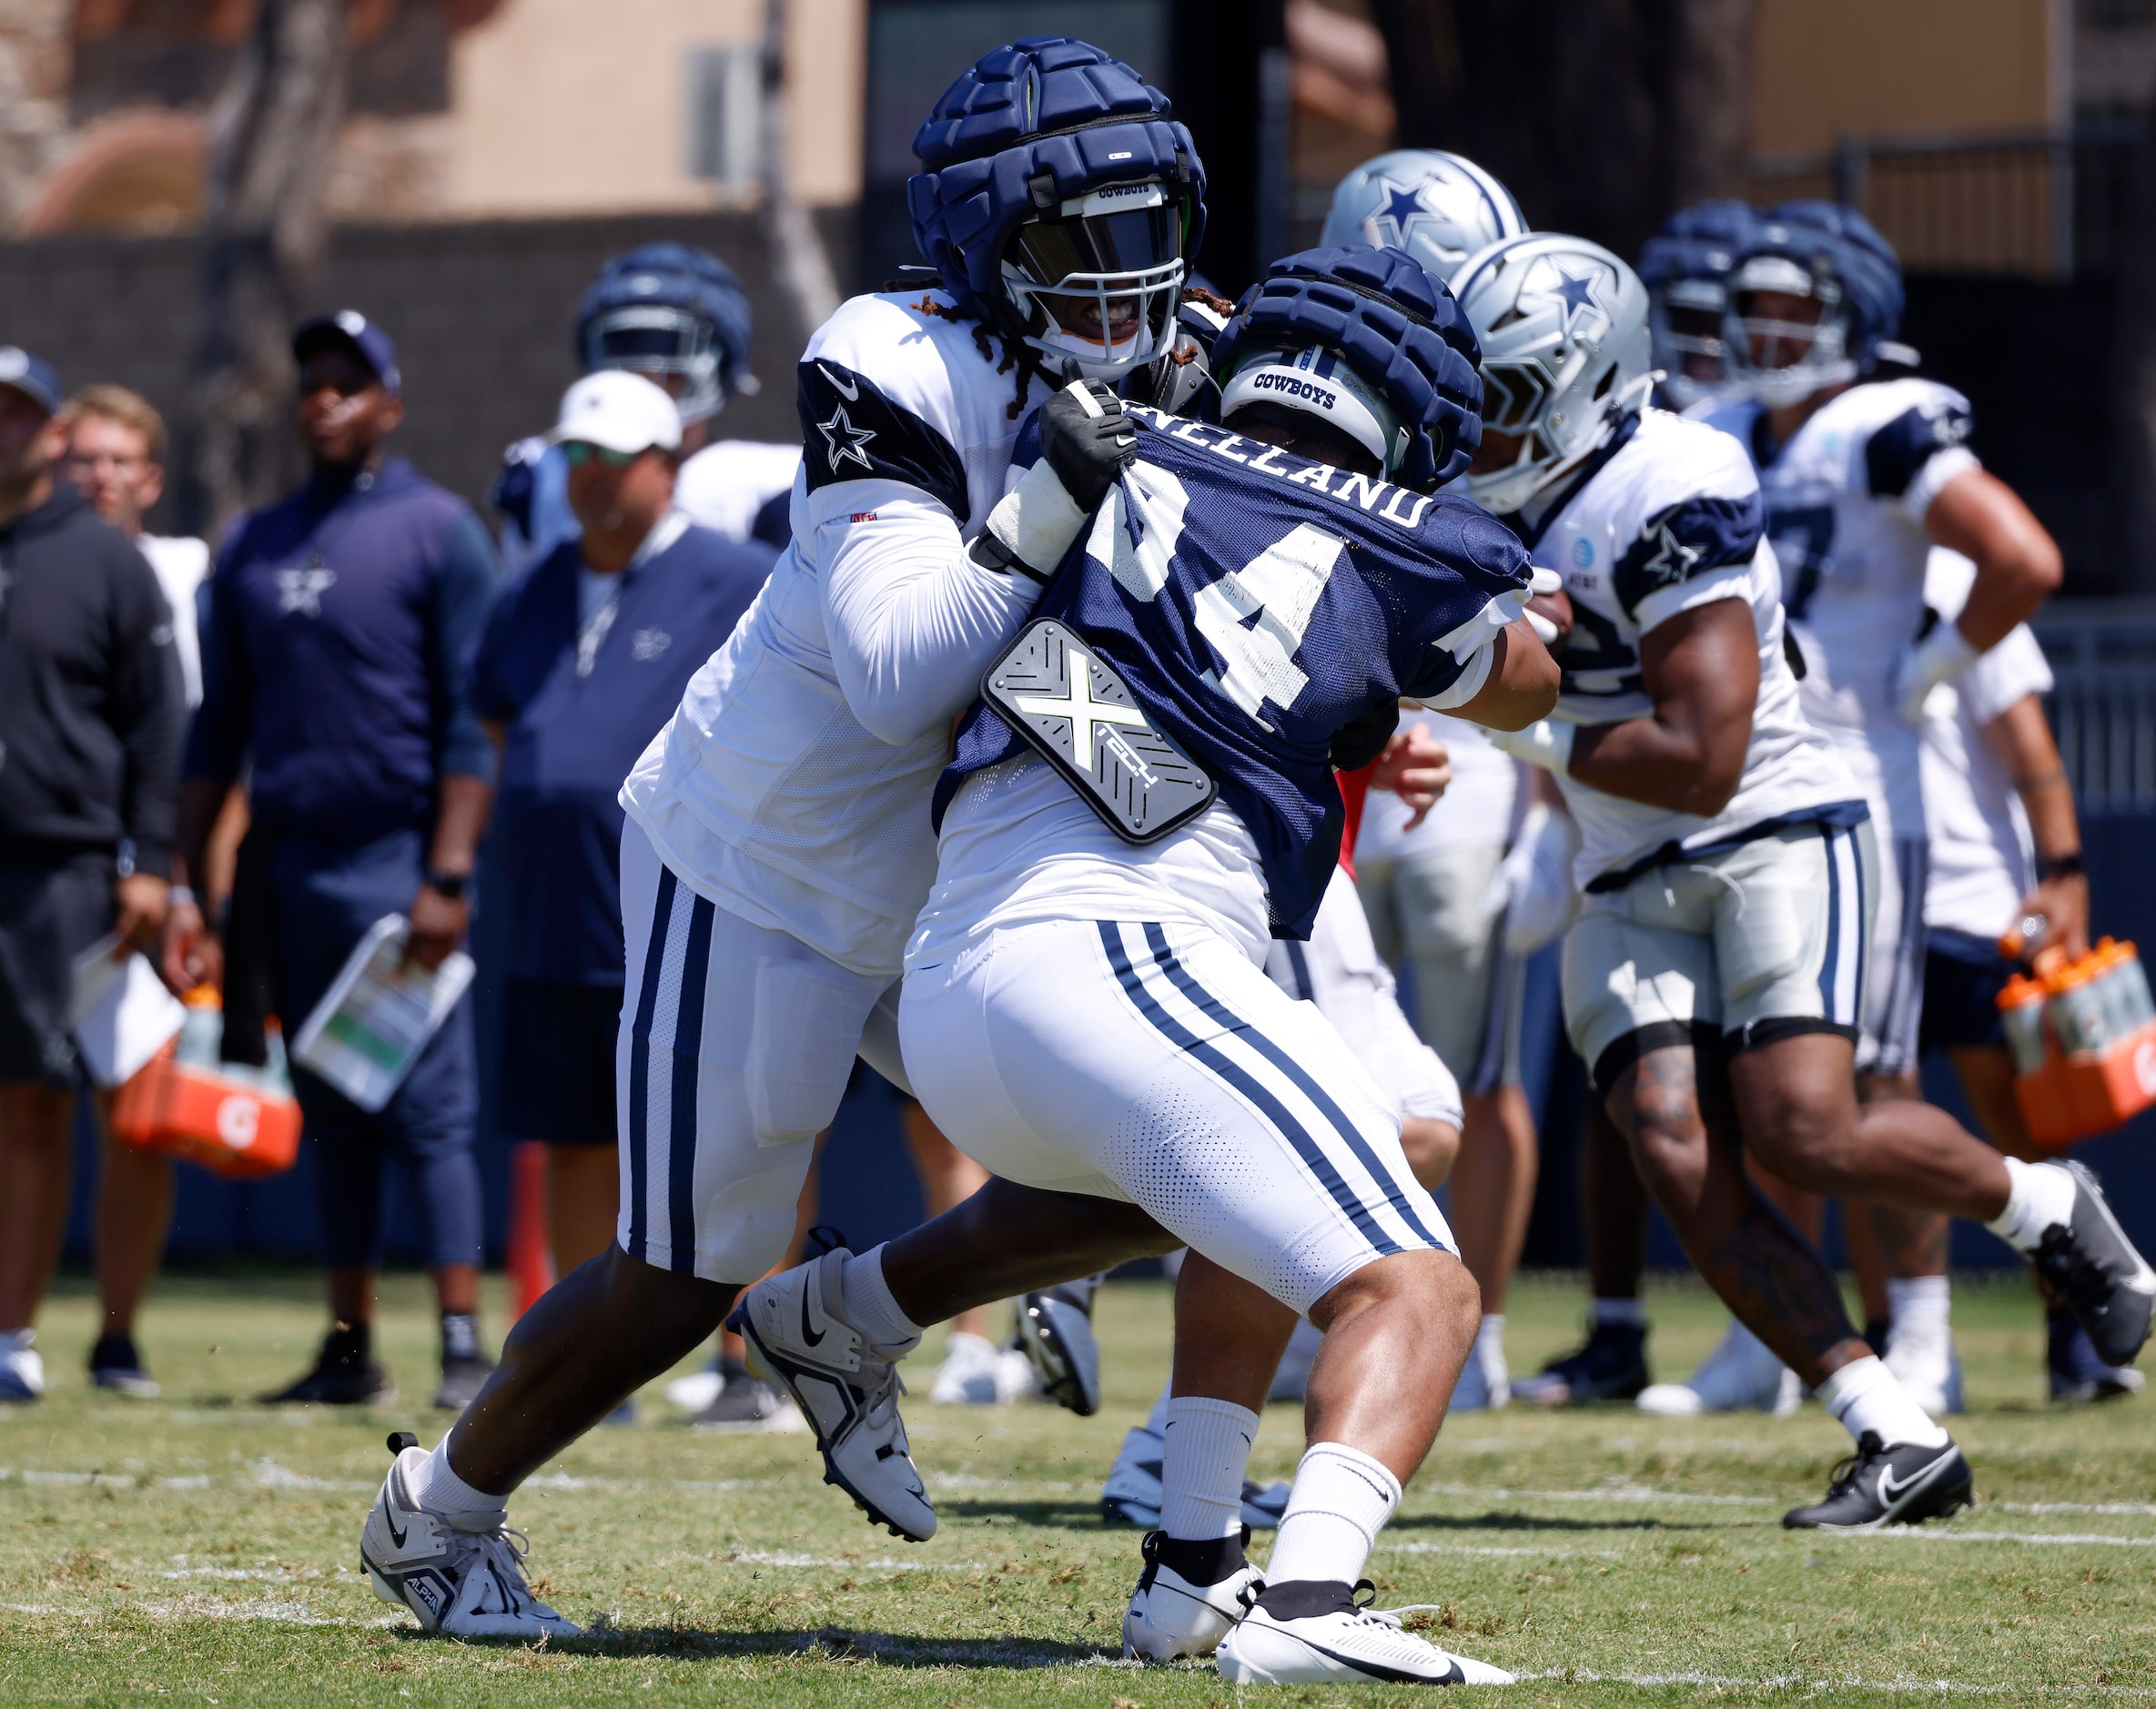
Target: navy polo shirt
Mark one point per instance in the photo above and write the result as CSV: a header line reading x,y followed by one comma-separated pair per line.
x,y
573,738
342,626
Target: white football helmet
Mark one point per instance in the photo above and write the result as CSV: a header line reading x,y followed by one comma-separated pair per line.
x,y
1566,354
1440,208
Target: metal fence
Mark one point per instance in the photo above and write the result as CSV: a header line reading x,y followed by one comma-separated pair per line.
x,y
2103,709
2047,207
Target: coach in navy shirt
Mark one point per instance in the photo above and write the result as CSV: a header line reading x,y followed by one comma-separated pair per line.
x,y
336,657
585,659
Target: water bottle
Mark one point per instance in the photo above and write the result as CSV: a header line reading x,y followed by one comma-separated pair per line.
x,y
2022,1012
2078,1010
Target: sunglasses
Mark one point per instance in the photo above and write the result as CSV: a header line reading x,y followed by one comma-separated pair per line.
x,y
576,453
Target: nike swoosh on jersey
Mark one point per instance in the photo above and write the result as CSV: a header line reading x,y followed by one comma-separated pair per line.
x,y
845,388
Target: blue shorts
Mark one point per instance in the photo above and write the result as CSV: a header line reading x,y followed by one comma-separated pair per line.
x,y
556,1077
1963,975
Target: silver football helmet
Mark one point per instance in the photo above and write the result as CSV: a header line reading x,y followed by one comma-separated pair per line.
x,y
1440,208
1567,355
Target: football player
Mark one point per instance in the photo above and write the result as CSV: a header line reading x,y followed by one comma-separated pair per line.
x,y
779,842
1685,269
1864,468
1713,982
2005,853
679,317
1143,802
1425,889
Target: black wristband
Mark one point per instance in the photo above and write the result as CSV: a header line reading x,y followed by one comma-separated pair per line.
x,y
451,884
2060,866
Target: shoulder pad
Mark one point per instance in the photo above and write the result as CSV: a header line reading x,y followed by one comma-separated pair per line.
x,y
850,430
1898,451
1686,539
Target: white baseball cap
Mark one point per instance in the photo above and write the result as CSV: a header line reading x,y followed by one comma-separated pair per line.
x,y
619,411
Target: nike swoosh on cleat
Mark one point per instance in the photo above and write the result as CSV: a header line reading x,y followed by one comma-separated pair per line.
x,y
1890,1488
809,1337
396,1536
844,388
1454,1674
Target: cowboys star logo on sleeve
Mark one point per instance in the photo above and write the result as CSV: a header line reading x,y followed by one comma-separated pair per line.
x,y
840,428
1077,713
1671,560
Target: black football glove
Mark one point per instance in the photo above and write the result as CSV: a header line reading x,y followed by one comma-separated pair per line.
x,y
1086,441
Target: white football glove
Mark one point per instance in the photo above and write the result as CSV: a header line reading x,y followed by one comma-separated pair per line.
x,y
1533,888
1939,657
1546,742
1541,580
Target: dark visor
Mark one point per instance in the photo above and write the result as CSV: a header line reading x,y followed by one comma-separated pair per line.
x,y
1048,251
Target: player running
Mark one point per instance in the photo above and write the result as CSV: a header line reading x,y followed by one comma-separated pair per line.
x,y
1715,979
779,845
1863,472
1141,804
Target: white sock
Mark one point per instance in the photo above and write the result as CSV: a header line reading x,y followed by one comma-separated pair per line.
x,y
2040,1194
1201,1468
1633,1311
1488,1342
1921,1306
436,1487
865,1297
1865,1395
1341,1500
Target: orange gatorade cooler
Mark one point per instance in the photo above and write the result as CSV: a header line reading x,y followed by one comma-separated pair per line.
x,y
2083,1039
239,1122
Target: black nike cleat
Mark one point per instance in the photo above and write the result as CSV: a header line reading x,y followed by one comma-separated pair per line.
x,y
1610,1365
2088,1261
1056,1330
2073,1371
1878,1486
345,1374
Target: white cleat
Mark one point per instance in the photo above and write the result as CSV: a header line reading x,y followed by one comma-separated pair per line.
x,y
1486,1381
1741,1374
21,1370
977,1372
1188,1597
461,1583
845,1388
1312,1634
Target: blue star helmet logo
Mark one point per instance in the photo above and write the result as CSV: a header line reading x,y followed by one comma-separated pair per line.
x,y
841,426
1577,296
1402,203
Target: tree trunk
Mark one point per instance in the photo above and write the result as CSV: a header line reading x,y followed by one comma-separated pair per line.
x,y
1602,117
802,263
273,132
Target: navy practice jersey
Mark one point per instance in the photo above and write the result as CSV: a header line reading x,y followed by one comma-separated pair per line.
x,y
1254,603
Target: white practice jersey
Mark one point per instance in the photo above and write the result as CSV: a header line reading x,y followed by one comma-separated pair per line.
x,y
1668,522
1480,805
182,565
1845,501
1982,859
793,785
728,486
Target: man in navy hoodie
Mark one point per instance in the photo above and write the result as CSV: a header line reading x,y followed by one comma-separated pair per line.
x,y
342,627
90,715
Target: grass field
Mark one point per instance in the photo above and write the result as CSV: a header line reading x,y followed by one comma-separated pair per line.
x,y
200,1549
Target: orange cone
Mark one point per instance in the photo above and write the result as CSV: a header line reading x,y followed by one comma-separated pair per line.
x,y
531,1260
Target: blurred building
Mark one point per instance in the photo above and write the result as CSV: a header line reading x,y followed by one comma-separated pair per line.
x,y
460,109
